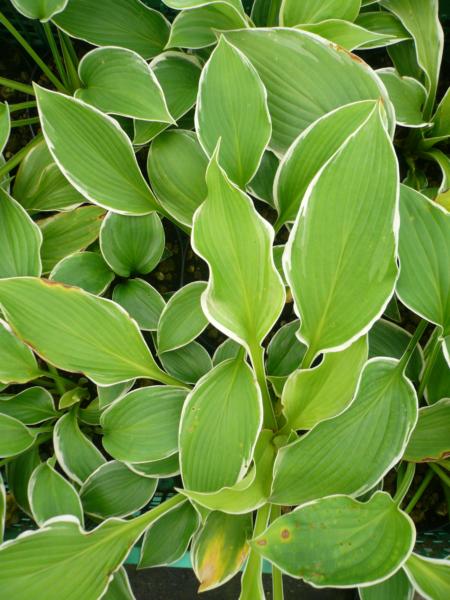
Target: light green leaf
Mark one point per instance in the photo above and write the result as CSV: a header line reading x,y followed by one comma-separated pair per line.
x,y
168,537
119,588
407,95
293,12
77,331
176,168
18,472
397,586
143,425
382,22
141,301
347,34
430,440
77,135
245,294
113,490
31,406
309,153
51,495
125,23
351,452
15,438
39,9
178,75
261,186
232,110
188,364
166,467
5,125
219,427
17,361
182,319
20,240
313,395
430,576
197,28
72,396
132,245
86,270
220,548
66,233
39,184
188,4
107,395
75,452
338,541
346,230
119,81
307,77
227,349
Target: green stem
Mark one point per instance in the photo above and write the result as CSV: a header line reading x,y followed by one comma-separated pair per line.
x,y
22,106
55,52
405,483
17,86
19,156
23,122
435,345
419,492
73,80
53,374
403,362
277,576
308,358
148,517
59,381
440,473
257,358
26,46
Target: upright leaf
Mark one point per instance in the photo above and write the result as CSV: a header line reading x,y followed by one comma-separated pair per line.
x,y
5,125
293,12
430,576
39,9
17,361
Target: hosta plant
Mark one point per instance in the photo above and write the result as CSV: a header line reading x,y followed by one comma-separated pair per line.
x,y
224,259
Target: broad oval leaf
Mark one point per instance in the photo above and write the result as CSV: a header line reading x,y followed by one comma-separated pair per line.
x,y
245,294
86,270
143,425
125,23
397,586
351,452
188,363
407,95
338,541
132,245
76,331
17,361
31,406
346,230
219,427
20,240
232,109
141,301
293,12
430,439
15,438
77,135
119,81
39,9
430,576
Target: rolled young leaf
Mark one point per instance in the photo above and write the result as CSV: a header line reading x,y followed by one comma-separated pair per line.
x,y
232,108
94,153
293,12
17,362
430,576
39,9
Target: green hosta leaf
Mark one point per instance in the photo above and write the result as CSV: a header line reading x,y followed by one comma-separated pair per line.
x,y
438,385
51,495
187,4
125,23
261,186
397,586
69,232
40,186
141,301
245,294
424,282
168,538
113,490
219,427
197,28
338,541
76,454
73,396
404,58
227,349
39,9
90,414
5,125
166,467
18,472
77,135
220,548
143,425
350,453
182,319
119,81
346,34
132,245
309,153
20,240
284,355
430,576
176,168
17,361
357,189
188,364
293,12
77,331
107,395
86,270
430,439
265,12
385,23
441,122
312,395
15,438
306,77
178,75
119,588
31,406
232,109
407,95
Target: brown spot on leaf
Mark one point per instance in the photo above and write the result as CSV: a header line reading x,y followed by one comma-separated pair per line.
x,y
262,542
285,534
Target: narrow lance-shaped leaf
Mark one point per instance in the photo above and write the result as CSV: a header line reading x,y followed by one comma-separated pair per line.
x,y
346,34
293,12
94,153
77,332
340,260
430,576
5,125
39,9
232,108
